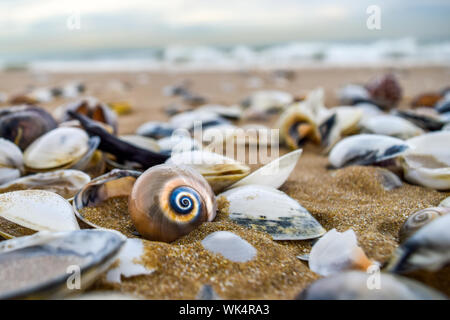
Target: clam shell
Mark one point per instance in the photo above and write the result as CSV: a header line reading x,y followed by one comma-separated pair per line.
x,y
427,249
190,119
11,161
38,210
218,170
154,129
269,210
142,142
268,100
43,265
57,148
353,285
427,162
391,125
273,174
365,149
335,252
115,183
419,219
227,112
63,182
445,203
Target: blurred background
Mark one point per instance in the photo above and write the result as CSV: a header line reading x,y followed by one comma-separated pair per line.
x,y
110,35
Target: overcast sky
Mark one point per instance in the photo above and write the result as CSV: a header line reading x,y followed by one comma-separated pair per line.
x,y
41,24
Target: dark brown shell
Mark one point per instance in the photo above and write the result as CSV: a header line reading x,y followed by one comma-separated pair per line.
x,y
385,91
168,201
418,219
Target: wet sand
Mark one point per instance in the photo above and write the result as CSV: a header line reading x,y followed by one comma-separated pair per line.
x,y
346,198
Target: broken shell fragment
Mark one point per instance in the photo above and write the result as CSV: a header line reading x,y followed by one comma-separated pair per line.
x,y
40,266
357,285
218,170
273,174
335,252
426,249
155,130
11,161
37,210
445,203
427,162
418,219
390,125
167,202
269,210
229,245
63,182
365,149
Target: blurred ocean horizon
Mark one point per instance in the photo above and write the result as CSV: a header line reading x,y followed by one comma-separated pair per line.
x,y
404,51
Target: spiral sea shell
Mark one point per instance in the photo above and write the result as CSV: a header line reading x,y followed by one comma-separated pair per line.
x,y
418,219
168,201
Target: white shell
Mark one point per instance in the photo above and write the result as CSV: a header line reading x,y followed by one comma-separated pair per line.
x,y
38,210
64,182
445,203
427,249
129,262
335,252
270,210
427,163
229,245
352,92
391,125
273,174
188,120
270,99
233,112
11,161
177,143
365,149
218,170
141,142
57,148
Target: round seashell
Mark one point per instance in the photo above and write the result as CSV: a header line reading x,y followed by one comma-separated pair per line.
x,y
167,202
24,124
269,210
11,161
219,171
335,252
42,266
38,210
63,182
355,285
365,149
390,125
427,162
426,249
273,174
385,90
418,219
57,148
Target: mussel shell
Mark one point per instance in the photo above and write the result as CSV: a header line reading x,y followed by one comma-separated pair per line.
x,y
168,202
115,183
155,130
418,219
425,120
57,148
22,125
40,266
353,285
365,149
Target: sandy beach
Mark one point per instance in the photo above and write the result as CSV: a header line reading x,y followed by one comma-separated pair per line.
x,y
352,197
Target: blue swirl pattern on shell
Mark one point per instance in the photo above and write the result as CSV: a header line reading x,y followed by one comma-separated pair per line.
x,y
185,199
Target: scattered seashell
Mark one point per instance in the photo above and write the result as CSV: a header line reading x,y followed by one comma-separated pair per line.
x,y
24,124
273,174
177,143
443,106
63,182
385,90
218,170
192,119
121,108
11,161
427,119
427,162
426,249
445,203
207,292
128,262
389,180
365,149
269,210
390,125
428,99
167,202
357,285
43,265
335,252
155,130
38,210
352,93
227,112
229,245
268,101
418,219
